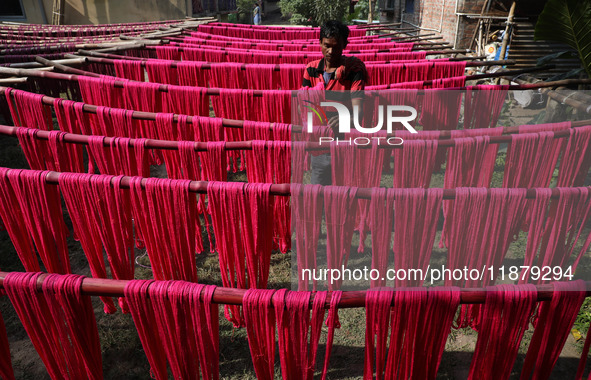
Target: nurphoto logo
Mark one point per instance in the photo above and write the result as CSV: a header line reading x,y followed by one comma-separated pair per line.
x,y
345,117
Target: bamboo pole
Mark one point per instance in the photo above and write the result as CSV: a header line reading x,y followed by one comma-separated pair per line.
x,y
230,123
564,99
54,29
444,142
36,65
58,12
371,26
284,190
370,15
98,58
508,30
253,49
418,37
230,296
575,94
138,115
126,45
9,81
164,88
64,68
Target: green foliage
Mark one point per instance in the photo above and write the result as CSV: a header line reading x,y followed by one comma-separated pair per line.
x,y
584,317
330,10
363,8
360,11
574,73
245,8
298,11
309,12
569,22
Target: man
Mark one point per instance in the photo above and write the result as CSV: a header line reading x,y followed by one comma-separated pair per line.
x,y
344,76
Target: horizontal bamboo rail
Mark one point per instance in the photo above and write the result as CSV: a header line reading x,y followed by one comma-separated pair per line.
x,y
231,296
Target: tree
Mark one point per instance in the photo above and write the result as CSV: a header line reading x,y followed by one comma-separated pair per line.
x,y
310,12
245,8
569,22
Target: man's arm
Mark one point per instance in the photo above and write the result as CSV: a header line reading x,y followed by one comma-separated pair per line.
x,y
307,82
357,90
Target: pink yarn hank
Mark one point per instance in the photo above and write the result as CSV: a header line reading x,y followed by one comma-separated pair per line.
x,y
240,216
76,190
40,205
298,357
504,319
259,318
307,215
416,215
6,371
340,210
554,323
13,220
166,214
177,322
58,316
416,344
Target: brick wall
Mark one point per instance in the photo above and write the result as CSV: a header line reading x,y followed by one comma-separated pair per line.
x,y
440,15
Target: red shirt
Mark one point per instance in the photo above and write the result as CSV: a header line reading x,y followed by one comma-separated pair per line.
x,y
350,76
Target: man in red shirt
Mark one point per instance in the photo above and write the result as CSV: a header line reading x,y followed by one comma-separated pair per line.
x,y
338,73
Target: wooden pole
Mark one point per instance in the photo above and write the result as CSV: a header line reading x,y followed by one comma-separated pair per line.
x,y
58,12
37,65
284,189
417,38
564,99
370,26
111,61
508,30
64,68
12,81
230,296
478,28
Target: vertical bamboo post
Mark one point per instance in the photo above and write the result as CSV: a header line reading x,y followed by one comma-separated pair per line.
x,y
508,30
370,14
58,12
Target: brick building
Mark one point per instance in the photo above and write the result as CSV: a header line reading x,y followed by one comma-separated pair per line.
x,y
454,20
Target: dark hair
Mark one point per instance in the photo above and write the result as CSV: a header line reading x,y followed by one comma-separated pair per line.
x,y
334,29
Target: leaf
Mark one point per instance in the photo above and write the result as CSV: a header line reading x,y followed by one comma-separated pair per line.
x,y
549,58
576,334
574,73
569,22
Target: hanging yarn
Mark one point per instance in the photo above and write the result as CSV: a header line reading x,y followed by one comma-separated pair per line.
x,y
292,313
177,322
416,345
259,318
240,214
504,318
40,206
339,210
307,216
76,190
554,322
58,317
166,214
